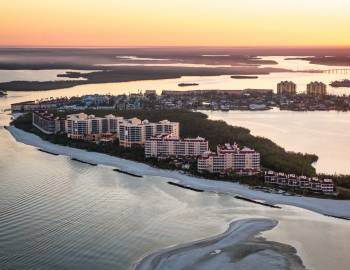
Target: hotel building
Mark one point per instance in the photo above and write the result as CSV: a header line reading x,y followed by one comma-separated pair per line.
x,y
78,126
286,88
300,182
135,132
167,145
316,89
230,159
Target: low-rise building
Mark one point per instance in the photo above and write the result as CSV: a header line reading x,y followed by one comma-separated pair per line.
x,y
230,159
316,89
313,184
30,106
167,145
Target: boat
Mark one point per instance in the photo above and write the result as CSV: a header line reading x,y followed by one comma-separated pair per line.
x,y
3,93
225,108
187,84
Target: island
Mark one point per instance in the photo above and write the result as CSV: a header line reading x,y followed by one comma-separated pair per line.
x,y
92,66
343,83
244,77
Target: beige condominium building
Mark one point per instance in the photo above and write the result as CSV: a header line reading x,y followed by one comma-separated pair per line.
x,y
230,158
135,132
316,89
166,145
286,88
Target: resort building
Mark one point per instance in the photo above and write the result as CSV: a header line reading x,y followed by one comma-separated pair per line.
x,y
135,132
78,126
316,89
230,159
313,184
47,122
286,88
167,145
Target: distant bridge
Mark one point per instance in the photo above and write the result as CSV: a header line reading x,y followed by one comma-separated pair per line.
x,y
337,71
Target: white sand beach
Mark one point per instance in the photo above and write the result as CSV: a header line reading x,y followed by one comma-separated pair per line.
x,y
339,208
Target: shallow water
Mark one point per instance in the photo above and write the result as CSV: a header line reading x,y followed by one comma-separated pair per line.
x,y
36,75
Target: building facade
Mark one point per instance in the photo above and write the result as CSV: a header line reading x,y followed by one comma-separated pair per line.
x,y
230,159
313,184
316,89
135,132
286,88
166,145
80,125
47,123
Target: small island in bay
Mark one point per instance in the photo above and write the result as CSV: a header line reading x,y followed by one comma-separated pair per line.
x,y
244,77
343,83
188,84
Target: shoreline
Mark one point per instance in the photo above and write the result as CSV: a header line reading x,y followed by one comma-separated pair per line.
x,y
238,247
327,207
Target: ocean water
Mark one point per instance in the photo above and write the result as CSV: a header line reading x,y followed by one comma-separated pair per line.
x,y
59,214
56,213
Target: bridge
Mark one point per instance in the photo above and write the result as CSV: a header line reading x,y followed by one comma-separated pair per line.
x,y
337,71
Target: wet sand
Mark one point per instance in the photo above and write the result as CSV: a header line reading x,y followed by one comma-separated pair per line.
x,y
237,248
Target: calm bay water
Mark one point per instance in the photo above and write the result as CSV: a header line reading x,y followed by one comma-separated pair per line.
x,y
326,134
35,75
59,214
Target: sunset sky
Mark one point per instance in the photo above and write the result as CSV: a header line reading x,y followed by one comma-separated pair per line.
x,y
174,22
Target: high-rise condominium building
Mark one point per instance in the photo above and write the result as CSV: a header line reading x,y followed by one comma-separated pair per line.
x,y
316,89
79,125
286,88
135,132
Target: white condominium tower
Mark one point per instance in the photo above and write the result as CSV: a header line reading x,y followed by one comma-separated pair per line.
x,y
135,132
165,145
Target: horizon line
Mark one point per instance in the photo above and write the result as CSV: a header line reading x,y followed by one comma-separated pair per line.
x,y
174,46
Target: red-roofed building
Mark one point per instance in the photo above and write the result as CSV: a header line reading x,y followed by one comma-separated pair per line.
x,y
300,182
167,145
230,158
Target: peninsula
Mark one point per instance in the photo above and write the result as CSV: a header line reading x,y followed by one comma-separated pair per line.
x,y
193,125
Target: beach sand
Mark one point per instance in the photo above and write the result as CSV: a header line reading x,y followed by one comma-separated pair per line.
x,y
238,248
